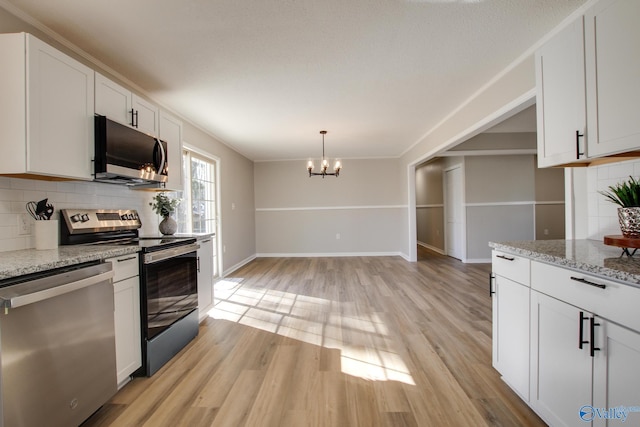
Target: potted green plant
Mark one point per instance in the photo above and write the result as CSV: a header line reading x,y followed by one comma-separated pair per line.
x,y
165,206
627,196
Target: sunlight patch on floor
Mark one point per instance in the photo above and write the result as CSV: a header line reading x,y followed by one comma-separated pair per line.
x,y
366,349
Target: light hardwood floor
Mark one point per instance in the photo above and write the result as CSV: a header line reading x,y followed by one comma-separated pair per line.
x,y
362,341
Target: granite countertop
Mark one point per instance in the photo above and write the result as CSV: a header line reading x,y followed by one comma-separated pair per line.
x,y
27,261
589,256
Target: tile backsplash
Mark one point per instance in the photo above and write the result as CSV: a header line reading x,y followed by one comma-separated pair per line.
x,y
15,193
603,215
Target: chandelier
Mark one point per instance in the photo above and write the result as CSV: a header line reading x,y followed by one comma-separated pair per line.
x,y
324,164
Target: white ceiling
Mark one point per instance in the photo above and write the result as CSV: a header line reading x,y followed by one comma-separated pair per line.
x,y
265,76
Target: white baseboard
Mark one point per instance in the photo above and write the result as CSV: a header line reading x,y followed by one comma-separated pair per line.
x,y
330,254
238,265
432,248
477,261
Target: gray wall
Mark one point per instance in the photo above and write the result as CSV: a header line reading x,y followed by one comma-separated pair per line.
x,y
238,226
237,209
297,215
507,198
550,207
510,89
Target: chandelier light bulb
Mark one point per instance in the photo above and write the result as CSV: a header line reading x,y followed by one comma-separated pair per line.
x,y
310,165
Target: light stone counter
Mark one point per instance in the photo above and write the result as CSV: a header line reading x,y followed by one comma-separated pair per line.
x,y
27,261
589,256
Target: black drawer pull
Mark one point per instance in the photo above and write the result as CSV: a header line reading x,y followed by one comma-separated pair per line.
x,y
586,282
126,259
505,257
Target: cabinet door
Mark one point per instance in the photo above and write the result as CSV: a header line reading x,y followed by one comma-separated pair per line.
x,y
613,66
205,276
560,107
561,372
113,100
60,110
127,326
171,132
616,373
511,333
147,115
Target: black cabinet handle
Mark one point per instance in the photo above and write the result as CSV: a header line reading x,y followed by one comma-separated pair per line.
x,y
578,136
581,333
586,282
126,259
592,327
198,268
505,257
491,291
134,118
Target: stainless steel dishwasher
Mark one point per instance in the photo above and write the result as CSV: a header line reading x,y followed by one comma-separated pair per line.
x,y
58,362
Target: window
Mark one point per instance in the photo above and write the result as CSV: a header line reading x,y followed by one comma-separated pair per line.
x,y
198,211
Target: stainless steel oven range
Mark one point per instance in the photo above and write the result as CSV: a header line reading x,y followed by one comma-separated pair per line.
x,y
168,278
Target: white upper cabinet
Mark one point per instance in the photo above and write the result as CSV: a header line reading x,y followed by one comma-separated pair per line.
x,y
47,107
560,106
613,76
113,100
587,84
171,132
146,115
121,105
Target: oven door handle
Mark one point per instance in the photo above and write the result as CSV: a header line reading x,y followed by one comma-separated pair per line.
x,y
158,256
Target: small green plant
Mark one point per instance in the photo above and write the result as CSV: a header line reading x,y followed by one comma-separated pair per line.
x,y
625,194
163,205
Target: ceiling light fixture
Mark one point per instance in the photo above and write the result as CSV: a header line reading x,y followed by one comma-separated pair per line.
x,y
324,163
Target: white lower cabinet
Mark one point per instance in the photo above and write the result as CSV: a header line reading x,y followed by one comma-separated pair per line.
x,y
511,333
585,367
205,277
561,372
616,377
510,291
126,287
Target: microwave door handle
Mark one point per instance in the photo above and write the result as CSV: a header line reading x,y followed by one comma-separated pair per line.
x,y
163,156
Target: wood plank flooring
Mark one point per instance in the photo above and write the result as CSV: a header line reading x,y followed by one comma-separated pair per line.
x,y
362,341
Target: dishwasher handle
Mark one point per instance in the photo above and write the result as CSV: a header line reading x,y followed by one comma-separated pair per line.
x,y
52,286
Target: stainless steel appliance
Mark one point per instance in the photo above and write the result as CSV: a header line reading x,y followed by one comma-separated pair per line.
x,y
58,346
168,275
126,156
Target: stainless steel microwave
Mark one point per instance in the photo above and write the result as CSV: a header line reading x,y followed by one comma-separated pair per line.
x,y
124,155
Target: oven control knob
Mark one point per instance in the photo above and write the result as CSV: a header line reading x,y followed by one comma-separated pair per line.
x,y
75,218
84,218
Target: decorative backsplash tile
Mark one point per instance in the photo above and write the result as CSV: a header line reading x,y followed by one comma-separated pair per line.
x,y
603,215
15,193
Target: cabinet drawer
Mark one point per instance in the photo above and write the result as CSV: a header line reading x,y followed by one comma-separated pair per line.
x,y
124,266
605,298
512,267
